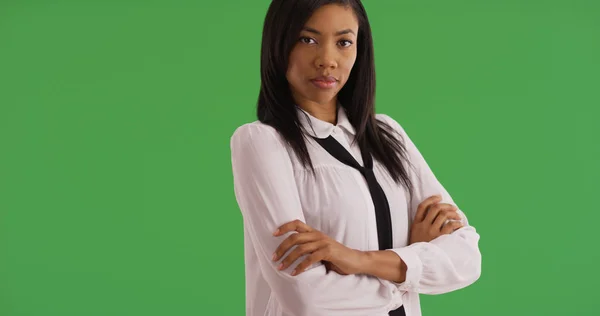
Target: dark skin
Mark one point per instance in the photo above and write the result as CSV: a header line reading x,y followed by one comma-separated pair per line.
x,y
428,225
327,46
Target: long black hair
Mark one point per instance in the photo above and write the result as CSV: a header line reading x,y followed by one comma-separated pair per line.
x,y
276,107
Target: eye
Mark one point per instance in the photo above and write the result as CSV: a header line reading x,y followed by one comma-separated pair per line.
x,y
307,40
345,43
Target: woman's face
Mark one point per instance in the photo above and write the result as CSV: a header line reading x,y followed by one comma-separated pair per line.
x,y
321,61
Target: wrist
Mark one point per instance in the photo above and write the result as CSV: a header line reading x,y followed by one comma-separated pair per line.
x,y
366,262
384,264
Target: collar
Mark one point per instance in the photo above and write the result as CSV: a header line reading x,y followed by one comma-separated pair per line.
x,y
321,129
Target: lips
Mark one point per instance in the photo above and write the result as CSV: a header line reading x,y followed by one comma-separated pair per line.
x,y
325,79
324,82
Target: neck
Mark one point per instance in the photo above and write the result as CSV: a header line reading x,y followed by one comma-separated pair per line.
x,y
324,112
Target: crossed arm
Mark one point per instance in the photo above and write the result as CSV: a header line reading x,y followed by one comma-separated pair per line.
x,y
268,200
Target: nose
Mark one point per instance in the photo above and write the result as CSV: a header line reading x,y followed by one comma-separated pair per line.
x,y
326,58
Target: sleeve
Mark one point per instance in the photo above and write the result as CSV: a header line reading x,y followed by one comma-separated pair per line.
x,y
267,195
449,262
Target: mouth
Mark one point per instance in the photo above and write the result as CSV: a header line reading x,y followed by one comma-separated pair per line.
x,y
324,82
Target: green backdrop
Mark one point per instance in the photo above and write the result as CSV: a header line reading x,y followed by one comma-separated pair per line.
x,y
116,192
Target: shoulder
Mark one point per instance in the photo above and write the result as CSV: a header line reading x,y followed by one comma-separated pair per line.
x,y
258,149
255,137
391,122
395,127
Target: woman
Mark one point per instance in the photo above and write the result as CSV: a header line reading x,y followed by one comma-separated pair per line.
x,y
342,215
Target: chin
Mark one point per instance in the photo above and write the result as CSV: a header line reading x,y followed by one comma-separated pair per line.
x,y
322,101
323,97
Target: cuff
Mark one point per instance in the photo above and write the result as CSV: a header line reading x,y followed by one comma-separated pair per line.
x,y
414,268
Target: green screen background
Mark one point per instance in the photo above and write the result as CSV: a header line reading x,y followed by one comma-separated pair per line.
x,y
116,192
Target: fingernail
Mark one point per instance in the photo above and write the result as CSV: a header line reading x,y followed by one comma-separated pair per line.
x,y
276,232
274,256
294,272
280,266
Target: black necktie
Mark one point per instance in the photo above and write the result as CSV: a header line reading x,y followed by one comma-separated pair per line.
x,y
382,208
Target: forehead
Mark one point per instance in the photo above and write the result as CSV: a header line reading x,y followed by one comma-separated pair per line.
x,y
333,17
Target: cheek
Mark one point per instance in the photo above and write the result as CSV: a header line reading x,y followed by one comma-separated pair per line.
x,y
346,66
294,71
293,77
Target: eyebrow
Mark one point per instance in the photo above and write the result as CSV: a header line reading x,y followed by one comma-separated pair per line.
x,y
342,32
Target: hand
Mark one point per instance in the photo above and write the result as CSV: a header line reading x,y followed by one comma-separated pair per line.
x,y
318,247
332,267
430,220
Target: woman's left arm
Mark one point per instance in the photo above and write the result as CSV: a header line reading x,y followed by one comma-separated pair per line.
x,y
446,263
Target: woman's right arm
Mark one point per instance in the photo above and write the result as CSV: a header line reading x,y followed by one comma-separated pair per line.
x,y
266,193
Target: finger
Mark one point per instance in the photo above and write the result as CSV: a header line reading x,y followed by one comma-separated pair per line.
x,y
454,215
441,219
435,210
300,251
424,205
451,227
292,240
295,225
310,259
445,213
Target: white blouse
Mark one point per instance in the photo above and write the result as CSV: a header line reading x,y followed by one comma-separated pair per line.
x,y
272,188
